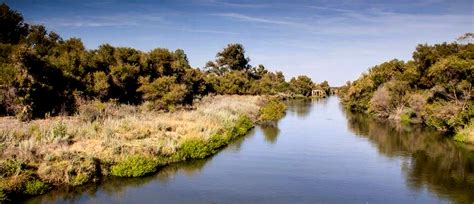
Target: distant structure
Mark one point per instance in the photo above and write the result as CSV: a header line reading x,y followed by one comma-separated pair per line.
x,y
318,93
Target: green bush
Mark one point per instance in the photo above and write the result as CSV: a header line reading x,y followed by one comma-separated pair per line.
x,y
405,118
10,167
198,148
273,110
134,166
163,91
460,137
442,115
218,140
59,130
301,85
195,149
242,126
35,187
92,111
408,116
466,134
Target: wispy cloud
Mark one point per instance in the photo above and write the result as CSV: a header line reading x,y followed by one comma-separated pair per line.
x,y
101,21
236,5
331,9
208,31
84,23
247,18
193,30
376,23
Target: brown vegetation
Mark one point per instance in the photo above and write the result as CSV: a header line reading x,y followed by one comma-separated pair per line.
x,y
122,140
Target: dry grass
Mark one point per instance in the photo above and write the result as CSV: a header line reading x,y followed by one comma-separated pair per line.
x,y
143,131
67,141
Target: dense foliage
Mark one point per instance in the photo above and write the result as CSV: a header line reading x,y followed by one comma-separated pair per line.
x,y
434,88
272,111
42,74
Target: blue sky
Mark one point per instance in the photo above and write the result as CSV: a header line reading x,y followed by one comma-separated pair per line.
x,y
326,40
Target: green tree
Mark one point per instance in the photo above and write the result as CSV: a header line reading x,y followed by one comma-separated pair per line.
x,y
231,58
234,82
35,63
35,80
195,84
258,72
434,88
325,87
162,92
302,85
449,72
100,85
13,27
269,83
124,75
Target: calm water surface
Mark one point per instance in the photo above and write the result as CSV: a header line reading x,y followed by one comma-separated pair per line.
x,y
316,154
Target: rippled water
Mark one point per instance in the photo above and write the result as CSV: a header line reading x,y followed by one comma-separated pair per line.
x,y
316,154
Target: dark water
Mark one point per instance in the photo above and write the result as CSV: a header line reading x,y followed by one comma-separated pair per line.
x,y
316,154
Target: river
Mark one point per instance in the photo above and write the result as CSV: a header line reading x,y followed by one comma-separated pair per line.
x,y
318,153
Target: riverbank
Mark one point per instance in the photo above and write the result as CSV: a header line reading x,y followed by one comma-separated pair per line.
x,y
432,89
119,140
466,134
315,142
459,134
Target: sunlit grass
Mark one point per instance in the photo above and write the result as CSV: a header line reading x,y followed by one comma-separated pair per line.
x,y
72,150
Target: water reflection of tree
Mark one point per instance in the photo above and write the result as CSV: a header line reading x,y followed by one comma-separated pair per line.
x,y
270,131
117,186
431,160
301,107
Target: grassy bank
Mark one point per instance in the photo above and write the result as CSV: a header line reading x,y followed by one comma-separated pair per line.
x,y
119,140
466,134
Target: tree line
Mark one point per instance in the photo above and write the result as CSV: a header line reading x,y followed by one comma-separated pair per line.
x,y
43,74
434,87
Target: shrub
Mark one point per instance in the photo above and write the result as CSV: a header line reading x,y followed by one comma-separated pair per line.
x,y
405,118
69,169
163,91
101,84
134,166
10,167
417,101
466,134
195,149
301,85
243,125
273,110
441,115
198,148
59,131
218,140
460,137
379,105
92,111
35,187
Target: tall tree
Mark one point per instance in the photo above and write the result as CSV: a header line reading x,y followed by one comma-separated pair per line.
x,y
13,27
301,85
231,58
